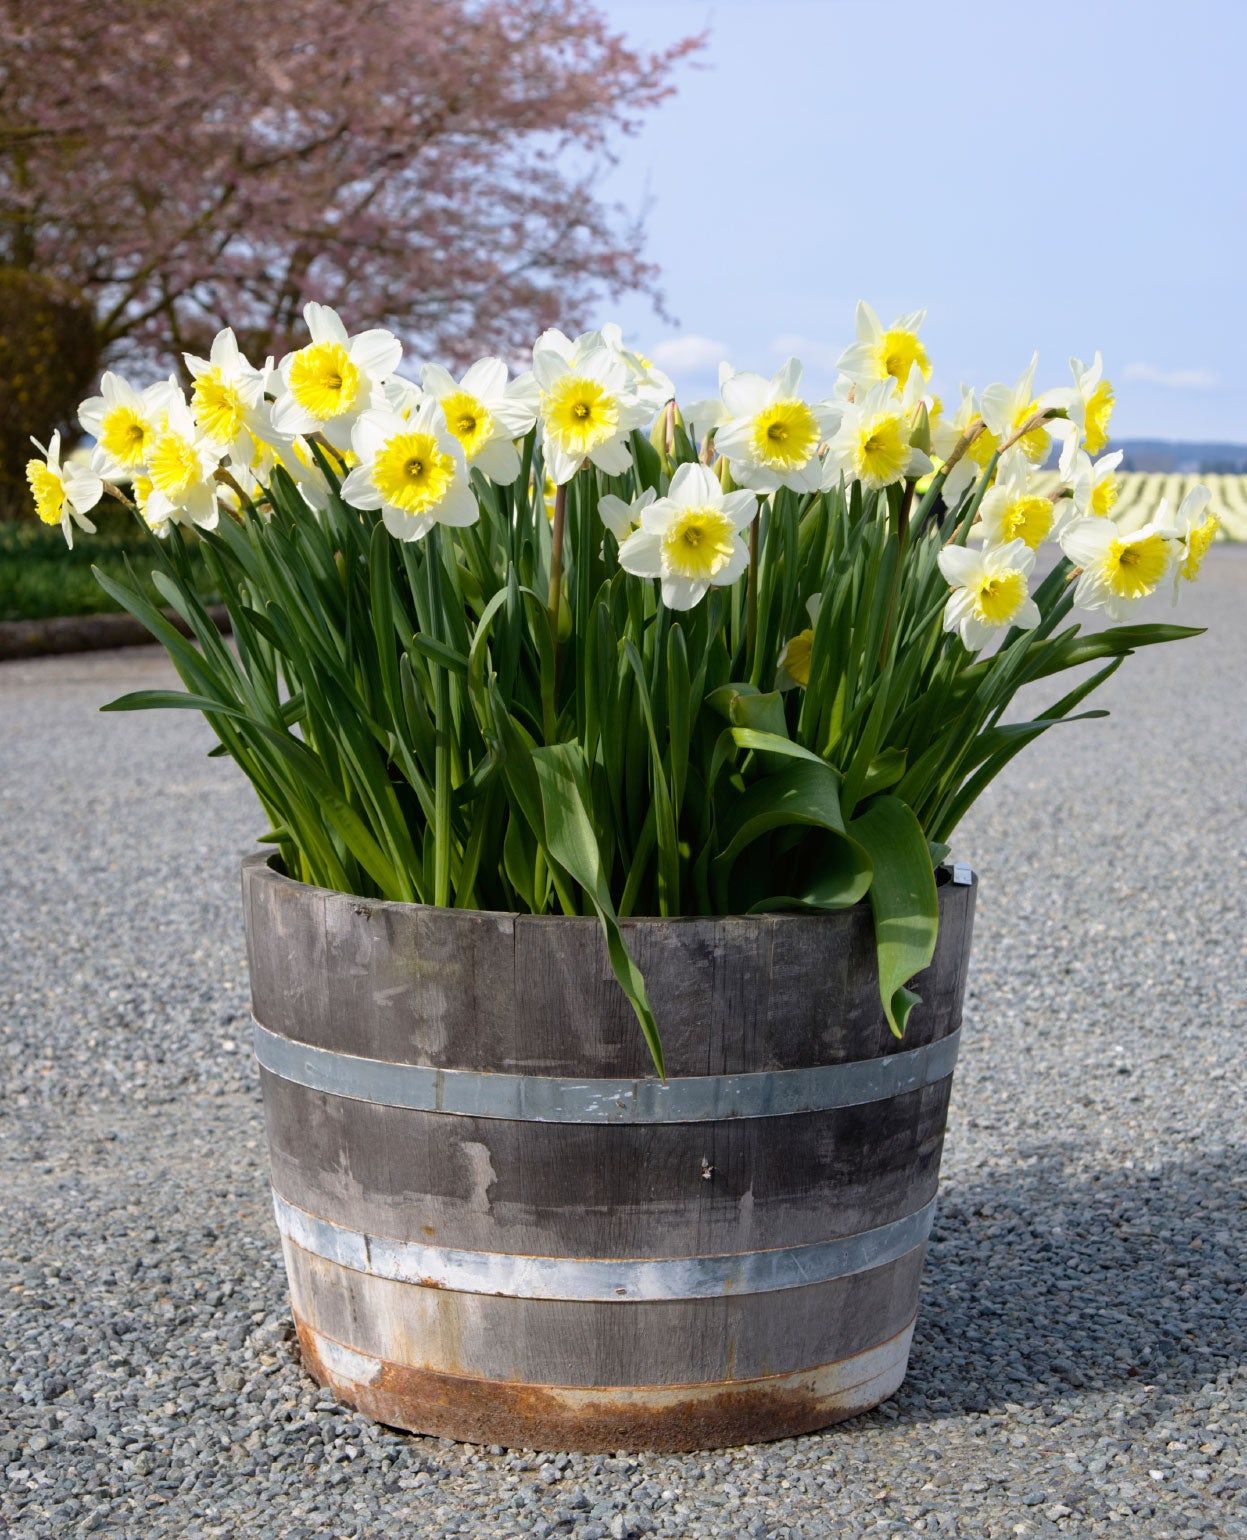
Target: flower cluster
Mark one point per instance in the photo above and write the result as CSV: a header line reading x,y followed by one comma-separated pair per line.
x,y
407,448
544,642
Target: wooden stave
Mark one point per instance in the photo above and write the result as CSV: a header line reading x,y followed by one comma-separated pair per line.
x,y
487,1184
736,995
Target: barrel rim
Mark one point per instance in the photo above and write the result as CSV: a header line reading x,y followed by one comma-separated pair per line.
x,y
265,866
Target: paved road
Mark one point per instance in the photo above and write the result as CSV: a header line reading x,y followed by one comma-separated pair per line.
x,y
1077,1367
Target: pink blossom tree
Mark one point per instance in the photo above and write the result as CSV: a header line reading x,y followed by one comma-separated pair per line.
x,y
428,165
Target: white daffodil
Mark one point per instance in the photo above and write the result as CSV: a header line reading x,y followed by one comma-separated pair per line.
x,y
328,383
485,413
948,427
885,352
588,405
297,458
691,538
990,591
653,387
1193,528
251,466
1013,509
1006,408
123,421
227,397
915,398
622,518
793,671
63,494
412,469
181,467
873,442
1118,569
939,427
770,434
1089,404
254,472
141,490
940,434
397,394
254,456
948,432
1094,486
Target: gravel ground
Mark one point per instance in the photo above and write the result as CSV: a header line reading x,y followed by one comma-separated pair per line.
x,y
1078,1363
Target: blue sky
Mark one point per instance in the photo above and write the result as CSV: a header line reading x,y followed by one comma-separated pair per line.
x,y
1067,177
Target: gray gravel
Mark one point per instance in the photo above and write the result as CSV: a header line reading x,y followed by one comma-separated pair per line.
x,y
1078,1363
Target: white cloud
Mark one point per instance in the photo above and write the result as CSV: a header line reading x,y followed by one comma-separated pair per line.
x,y
818,355
1176,379
689,354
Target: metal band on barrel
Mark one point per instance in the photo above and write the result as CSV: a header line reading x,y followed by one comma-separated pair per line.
x,y
547,1099
602,1278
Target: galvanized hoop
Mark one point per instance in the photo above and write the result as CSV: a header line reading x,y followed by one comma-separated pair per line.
x,y
549,1099
602,1278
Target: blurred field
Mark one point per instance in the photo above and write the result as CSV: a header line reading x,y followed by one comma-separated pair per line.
x,y
39,577
1142,491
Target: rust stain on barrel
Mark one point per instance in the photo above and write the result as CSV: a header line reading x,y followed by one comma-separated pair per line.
x,y
597,1419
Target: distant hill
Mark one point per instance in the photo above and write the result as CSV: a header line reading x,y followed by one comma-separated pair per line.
x,y
1157,454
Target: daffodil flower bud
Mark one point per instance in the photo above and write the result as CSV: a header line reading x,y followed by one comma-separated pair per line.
x,y
920,434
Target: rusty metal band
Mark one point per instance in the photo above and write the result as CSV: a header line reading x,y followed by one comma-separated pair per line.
x,y
602,1278
547,1099
681,1414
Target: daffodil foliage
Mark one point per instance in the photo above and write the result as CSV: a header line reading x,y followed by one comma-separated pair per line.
x,y
550,644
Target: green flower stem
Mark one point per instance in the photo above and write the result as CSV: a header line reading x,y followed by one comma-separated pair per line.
x,y
442,788
961,534
751,597
556,558
894,590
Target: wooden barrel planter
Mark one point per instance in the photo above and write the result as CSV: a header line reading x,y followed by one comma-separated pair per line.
x,y
501,1227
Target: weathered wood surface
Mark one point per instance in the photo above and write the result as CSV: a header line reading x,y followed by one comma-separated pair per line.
x,y
577,1189
464,991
